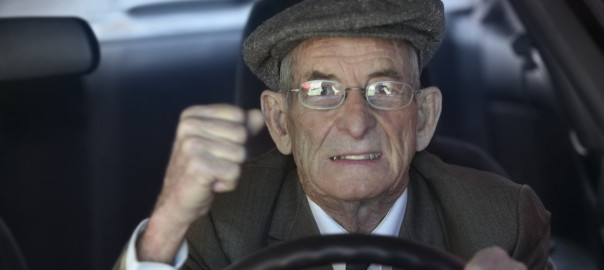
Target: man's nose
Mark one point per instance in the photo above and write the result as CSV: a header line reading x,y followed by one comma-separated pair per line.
x,y
355,116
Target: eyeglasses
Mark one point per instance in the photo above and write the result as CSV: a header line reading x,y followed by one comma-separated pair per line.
x,y
325,95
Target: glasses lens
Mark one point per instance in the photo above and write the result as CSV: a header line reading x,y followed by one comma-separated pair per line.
x,y
322,94
389,95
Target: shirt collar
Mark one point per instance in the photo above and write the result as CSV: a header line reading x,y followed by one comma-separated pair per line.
x,y
390,225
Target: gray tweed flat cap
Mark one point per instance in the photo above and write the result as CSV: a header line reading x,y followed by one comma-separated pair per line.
x,y
419,22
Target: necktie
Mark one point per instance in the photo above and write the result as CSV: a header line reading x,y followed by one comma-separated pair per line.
x,y
357,266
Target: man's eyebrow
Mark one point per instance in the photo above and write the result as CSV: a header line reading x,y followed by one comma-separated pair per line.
x,y
388,73
318,75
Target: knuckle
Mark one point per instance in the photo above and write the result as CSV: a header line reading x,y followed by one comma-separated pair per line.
x,y
186,126
196,146
235,171
190,143
212,149
240,134
218,111
229,171
239,153
205,163
217,129
230,184
235,112
195,166
225,151
203,166
190,111
202,169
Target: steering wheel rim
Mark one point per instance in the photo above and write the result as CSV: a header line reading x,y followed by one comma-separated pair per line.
x,y
349,248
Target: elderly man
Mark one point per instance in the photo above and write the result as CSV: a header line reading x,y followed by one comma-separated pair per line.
x,y
350,122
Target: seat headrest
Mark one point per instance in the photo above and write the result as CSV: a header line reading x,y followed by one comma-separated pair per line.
x,y
248,87
43,47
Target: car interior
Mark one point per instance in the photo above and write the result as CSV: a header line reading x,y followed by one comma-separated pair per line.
x,y
89,105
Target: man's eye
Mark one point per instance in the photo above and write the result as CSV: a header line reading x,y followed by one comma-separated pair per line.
x,y
323,90
383,90
379,90
327,90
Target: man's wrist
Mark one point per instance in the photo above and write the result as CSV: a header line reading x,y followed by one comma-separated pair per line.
x,y
131,261
162,239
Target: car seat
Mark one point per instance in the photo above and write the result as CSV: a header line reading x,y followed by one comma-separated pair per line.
x,y
10,254
43,188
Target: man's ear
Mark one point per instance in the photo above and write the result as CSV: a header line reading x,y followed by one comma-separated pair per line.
x,y
274,108
429,102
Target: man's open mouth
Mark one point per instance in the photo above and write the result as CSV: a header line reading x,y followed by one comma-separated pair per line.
x,y
358,157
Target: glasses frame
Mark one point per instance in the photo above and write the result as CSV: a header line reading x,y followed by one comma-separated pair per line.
x,y
414,92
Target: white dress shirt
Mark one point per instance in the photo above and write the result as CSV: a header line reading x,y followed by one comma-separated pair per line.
x,y
390,226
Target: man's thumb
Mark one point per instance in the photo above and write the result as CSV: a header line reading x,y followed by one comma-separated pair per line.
x,y
255,121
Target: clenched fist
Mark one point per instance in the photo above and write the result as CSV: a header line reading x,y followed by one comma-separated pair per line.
x,y
206,159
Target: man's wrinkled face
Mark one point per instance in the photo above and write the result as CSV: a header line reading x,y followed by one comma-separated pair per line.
x,y
354,152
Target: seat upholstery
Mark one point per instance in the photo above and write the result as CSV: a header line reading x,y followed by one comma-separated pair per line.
x,y
43,188
10,254
44,47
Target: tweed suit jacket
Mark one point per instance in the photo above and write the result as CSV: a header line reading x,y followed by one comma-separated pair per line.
x,y
453,208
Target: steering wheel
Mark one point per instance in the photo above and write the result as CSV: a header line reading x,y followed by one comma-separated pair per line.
x,y
349,248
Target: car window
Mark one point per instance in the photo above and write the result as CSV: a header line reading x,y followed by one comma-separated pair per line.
x,y
131,19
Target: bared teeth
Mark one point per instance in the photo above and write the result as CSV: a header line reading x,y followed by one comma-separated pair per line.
x,y
358,157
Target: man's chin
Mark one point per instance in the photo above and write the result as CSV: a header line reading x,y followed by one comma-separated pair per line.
x,y
358,190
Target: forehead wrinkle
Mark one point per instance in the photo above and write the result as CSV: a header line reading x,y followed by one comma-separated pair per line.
x,y
383,67
331,69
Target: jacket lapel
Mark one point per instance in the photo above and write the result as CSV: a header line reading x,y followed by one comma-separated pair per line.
x,y
292,218
423,218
